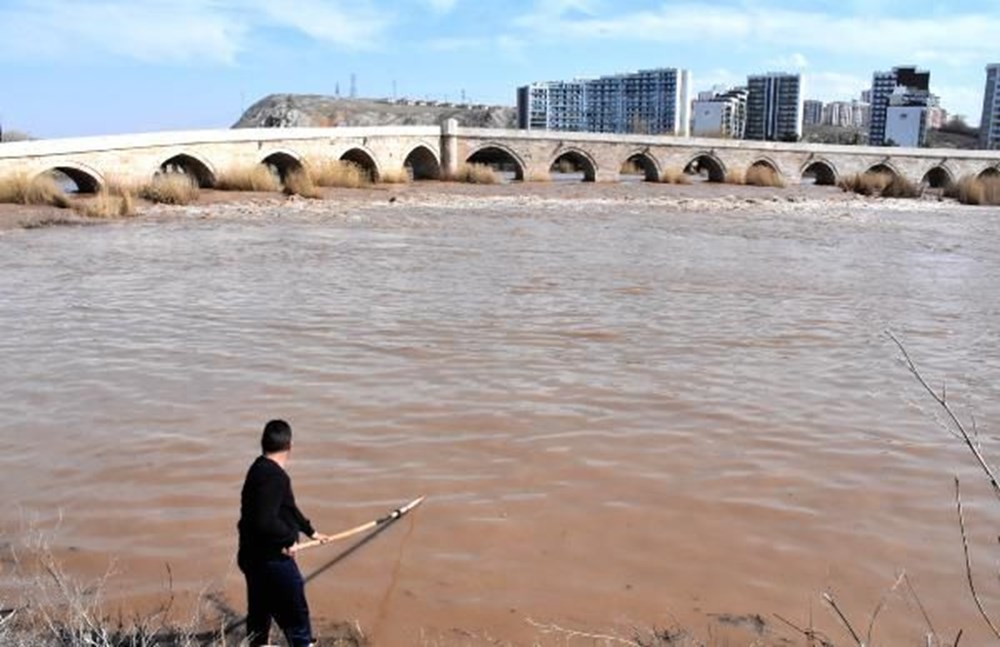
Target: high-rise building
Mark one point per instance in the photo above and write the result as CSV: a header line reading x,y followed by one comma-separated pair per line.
x,y
846,114
896,95
722,114
812,112
648,102
989,126
774,107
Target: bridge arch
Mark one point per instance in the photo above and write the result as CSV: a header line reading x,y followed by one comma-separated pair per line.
x,y
707,162
989,172
884,168
191,165
823,172
282,162
422,164
363,159
580,159
86,179
938,177
646,163
498,156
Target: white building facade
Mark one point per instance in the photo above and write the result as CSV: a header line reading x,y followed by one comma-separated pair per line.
x,y
721,115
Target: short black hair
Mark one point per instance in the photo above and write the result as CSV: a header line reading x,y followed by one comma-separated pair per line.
x,y
277,437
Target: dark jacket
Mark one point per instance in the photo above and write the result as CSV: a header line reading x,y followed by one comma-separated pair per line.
x,y
269,519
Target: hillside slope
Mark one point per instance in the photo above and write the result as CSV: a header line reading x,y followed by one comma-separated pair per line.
x,y
310,110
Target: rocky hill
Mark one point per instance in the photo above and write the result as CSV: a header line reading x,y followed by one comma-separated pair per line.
x,y
310,110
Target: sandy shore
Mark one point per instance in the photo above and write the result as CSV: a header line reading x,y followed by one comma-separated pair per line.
x,y
686,198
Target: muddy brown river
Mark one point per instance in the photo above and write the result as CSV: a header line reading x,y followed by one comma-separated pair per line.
x,y
626,409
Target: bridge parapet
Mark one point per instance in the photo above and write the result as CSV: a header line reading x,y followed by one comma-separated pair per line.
x,y
136,158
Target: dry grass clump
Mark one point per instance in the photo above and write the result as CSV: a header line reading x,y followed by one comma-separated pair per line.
x,y
539,176
880,185
980,191
675,175
108,204
301,184
763,175
39,190
170,188
338,173
394,176
476,174
251,177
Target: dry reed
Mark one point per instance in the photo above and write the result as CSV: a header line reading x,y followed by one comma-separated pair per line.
x,y
170,188
980,191
565,165
337,173
631,168
476,174
39,190
394,176
107,204
540,176
675,175
301,184
735,176
763,175
251,177
880,185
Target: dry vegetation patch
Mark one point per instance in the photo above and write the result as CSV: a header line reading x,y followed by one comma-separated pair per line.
x,y
171,188
338,173
675,175
301,184
980,191
880,185
251,177
476,174
42,189
763,175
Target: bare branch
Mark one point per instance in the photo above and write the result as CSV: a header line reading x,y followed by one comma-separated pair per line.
x,y
968,564
810,634
941,400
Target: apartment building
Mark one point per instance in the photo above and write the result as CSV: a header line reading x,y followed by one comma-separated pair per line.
x,y
989,126
774,107
648,102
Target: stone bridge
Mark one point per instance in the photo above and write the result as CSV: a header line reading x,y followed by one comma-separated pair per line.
x,y
430,152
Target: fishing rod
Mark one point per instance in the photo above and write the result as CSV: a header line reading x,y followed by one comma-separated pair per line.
x,y
381,521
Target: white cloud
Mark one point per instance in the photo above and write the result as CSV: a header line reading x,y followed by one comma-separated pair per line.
x,y
746,27
795,61
176,31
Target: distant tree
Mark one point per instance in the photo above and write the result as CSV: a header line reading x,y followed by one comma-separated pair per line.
x,y
13,135
958,125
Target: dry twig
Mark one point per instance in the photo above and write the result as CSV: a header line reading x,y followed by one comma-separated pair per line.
x,y
942,400
968,563
843,619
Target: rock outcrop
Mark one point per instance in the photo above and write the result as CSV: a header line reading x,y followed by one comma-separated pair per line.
x,y
310,110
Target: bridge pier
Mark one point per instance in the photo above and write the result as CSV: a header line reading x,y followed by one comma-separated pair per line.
x,y
449,148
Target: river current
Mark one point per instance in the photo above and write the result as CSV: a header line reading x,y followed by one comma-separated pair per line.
x,y
623,412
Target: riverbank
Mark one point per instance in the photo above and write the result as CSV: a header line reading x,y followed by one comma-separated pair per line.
x,y
699,196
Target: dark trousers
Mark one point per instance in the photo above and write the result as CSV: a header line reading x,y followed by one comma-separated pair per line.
x,y
275,590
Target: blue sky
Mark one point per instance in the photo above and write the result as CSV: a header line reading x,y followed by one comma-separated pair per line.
x,y
85,67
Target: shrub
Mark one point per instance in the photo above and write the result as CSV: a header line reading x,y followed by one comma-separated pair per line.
x,y
40,190
631,168
301,184
170,188
476,174
251,177
338,173
763,175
